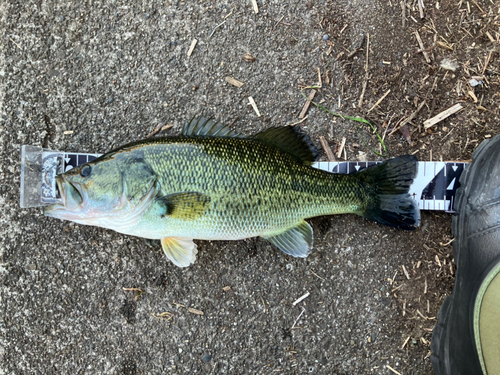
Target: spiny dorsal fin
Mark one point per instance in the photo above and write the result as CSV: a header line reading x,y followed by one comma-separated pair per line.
x,y
184,206
291,140
200,126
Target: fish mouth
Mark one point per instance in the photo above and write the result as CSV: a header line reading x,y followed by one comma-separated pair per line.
x,y
71,197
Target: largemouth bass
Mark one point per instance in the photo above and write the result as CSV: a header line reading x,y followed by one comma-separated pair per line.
x,y
210,183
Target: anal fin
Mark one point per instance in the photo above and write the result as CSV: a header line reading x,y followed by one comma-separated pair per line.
x,y
296,241
181,251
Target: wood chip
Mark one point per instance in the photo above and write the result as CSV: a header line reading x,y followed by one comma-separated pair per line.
x,y
405,132
254,105
194,311
379,101
342,145
191,49
226,288
300,299
327,148
248,58
255,6
307,104
441,116
234,82
68,132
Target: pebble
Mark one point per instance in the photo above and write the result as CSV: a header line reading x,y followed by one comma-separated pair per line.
x,y
474,82
206,358
325,37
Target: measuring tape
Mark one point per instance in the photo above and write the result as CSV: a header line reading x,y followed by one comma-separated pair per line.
x,y
434,187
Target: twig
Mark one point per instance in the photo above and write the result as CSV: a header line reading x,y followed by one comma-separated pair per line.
x,y
254,105
380,100
421,44
403,12
406,272
195,311
306,105
191,49
236,119
328,150
409,119
321,83
342,144
255,6
441,116
134,290
158,129
298,122
474,1
300,299
315,274
360,103
421,8
17,45
277,23
296,320
394,371
164,316
406,342
216,27
485,63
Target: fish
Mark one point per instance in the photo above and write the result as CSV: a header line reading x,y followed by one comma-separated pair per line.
x,y
211,183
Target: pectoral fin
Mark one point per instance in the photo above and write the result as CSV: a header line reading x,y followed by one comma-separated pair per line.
x,y
181,251
184,206
296,241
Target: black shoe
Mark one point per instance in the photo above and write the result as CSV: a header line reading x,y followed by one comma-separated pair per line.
x,y
466,339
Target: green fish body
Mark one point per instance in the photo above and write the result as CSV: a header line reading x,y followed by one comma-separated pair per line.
x,y
212,184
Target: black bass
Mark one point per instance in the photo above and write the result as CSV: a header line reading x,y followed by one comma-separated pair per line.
x,y
212,184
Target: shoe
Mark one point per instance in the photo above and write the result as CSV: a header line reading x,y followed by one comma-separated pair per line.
x,y
466,339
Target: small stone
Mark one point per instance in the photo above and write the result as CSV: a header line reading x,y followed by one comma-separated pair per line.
x,y
325,37
474,82
206,358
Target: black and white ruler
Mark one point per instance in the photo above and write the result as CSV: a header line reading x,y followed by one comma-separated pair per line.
x,y
434,187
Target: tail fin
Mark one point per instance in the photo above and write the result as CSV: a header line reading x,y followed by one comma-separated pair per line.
x,y
388,185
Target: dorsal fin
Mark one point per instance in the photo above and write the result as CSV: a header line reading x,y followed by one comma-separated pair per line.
x,y
200,126
292,140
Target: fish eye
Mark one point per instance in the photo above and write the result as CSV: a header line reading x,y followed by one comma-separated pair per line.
x,y
85,171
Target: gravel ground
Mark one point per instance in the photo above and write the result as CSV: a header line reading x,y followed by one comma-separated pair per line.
x,y
92,75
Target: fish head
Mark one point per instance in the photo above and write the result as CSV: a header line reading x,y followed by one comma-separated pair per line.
x,y
89,192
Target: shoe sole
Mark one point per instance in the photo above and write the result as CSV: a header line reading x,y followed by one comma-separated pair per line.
x,y
440,339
